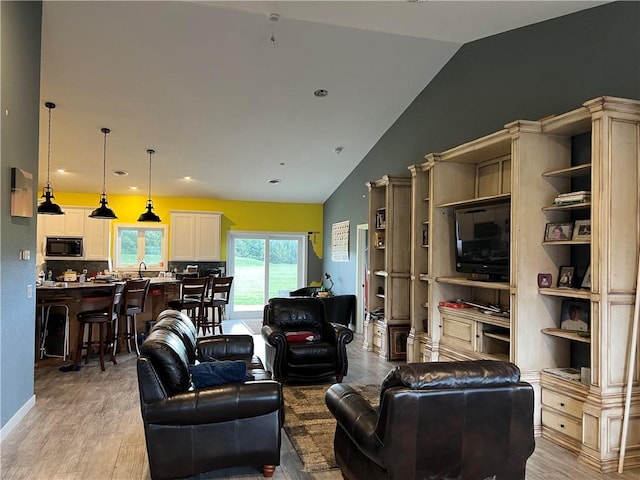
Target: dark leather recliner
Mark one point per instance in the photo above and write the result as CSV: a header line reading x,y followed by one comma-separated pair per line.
x,y
440,420
323,357
189,431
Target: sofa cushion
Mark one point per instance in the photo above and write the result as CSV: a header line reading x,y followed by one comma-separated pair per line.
x,y
208,374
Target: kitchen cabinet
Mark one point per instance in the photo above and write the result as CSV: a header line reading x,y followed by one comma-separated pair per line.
x,y
96,233
195,236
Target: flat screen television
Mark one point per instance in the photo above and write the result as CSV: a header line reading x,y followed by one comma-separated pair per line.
x,y
482,241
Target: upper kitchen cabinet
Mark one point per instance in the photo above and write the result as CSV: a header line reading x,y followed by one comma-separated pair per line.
x,y
75,222
195,236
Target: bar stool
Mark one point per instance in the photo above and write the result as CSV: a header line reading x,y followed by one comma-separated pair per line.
x,y
135,295
217,299
192,293
46,304
104,313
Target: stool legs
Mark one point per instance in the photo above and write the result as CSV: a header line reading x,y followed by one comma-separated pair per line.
x,y
130,334
45,332
104,342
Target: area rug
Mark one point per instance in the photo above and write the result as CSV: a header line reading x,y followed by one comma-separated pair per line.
x,y
254,326
311,427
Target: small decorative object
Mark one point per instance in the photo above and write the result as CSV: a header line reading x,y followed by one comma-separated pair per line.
x,y
544,280
575,315
586,280
425,236
582,230
565,277
557,232
398,342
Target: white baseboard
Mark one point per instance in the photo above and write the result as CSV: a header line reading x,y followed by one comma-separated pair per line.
x,y
17,418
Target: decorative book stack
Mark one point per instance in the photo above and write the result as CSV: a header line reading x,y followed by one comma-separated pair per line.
x,y
570,198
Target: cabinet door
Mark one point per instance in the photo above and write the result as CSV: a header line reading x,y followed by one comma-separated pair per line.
x,y
96,238
53,225
182,237
207,237
74,222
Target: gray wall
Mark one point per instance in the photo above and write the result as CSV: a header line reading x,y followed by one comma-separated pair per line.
x,y
528,73
20,97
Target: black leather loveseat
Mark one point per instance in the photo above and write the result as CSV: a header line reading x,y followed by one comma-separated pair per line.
x,y
470,420
191,430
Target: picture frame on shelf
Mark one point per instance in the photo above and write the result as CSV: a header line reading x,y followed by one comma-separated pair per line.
x,y
565,276
582,230
558,232
544,280
586,280
398,342
575,315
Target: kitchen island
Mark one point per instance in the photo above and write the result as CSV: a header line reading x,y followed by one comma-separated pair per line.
x,y
161,290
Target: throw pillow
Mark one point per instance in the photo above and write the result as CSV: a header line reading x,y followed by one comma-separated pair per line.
x,y
209,374
300,337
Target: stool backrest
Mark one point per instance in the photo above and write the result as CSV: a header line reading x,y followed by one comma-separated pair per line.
x,y
135,295
220,287
195,287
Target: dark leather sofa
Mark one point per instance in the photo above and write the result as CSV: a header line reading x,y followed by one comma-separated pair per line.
x,y
440,420
306,361
190,430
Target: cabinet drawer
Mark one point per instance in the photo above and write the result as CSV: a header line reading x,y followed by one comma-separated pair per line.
x,y
562,423
458,332
562,403
377,337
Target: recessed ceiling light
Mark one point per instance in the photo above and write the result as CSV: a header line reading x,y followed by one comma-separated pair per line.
x,y
321,93
133,187
275,181
120,173
187,178
281,164
61,170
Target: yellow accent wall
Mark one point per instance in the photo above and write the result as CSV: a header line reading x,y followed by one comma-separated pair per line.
x,y
236,215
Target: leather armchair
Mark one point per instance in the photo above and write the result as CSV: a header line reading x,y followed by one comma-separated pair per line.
x,y
439,420
323,357
188,430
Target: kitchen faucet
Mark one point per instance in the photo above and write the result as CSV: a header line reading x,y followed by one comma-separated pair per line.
x,y
140,268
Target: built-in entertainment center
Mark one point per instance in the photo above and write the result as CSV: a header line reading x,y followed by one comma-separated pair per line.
x,y
484,269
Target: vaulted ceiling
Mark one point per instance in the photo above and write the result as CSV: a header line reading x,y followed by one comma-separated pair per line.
x,y
224,91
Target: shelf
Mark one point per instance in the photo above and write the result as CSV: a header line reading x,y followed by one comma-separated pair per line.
x,y
566,334
467,282
424,277
425,222
574,206
425,199
577,171
566,292
424,246
379,295
380,247
498,336
477,202
568,242
380,273
425,305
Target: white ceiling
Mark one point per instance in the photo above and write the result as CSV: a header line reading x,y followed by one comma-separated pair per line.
x,y
201,83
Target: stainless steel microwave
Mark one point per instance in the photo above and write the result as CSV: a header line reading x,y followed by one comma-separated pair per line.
x,y
64,247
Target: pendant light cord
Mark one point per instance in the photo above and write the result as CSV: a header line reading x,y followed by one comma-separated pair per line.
x,y
104,162
49,106
150,152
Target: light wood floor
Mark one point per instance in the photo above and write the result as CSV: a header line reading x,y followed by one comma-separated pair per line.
x,y
87,425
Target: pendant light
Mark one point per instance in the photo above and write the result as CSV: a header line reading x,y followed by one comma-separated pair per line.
x,y
48,207
103,211
149,216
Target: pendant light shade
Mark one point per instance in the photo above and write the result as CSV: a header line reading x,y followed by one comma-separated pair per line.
x,y
47,207
149,216
104,212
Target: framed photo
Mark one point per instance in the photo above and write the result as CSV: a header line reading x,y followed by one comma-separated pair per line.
x,y
398,342
575,315
586,280
582,230
557,232
565,277
544,280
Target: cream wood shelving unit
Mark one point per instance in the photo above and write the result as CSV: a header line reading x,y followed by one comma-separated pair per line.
x,y
529,163
388,272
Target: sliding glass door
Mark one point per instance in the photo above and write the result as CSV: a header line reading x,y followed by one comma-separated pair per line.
x,y
264,265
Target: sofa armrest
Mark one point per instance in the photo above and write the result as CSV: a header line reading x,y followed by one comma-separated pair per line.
x,y
344,335
221,403
225,347
274,335
355,415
